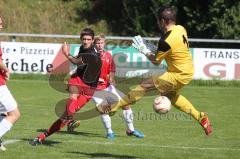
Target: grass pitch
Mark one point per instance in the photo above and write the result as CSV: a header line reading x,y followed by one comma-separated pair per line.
x,y
174,135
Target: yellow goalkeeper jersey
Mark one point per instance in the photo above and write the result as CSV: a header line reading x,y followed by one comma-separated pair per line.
x,y
174,48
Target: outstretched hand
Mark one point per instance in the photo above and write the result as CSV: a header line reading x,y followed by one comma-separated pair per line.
x,y
65,49
7,75
139,44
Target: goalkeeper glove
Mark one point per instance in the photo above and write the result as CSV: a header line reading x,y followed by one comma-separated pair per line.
x,y
139,44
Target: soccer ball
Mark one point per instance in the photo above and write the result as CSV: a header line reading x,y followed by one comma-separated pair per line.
x,y
161,104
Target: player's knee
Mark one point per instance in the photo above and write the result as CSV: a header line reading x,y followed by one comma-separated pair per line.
x,y
14,115
17,114
73,96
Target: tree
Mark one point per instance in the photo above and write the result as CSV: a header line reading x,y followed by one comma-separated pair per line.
x,y
203,19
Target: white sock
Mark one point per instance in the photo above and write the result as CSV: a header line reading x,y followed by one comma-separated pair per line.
x,y
128,117
107,122
5,126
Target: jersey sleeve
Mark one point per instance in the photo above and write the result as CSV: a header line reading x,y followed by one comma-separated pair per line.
x,y
163,48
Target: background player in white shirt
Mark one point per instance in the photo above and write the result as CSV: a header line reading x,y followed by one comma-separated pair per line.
x,y
8,105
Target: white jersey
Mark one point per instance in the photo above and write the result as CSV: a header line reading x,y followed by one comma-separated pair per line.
x,y
7,102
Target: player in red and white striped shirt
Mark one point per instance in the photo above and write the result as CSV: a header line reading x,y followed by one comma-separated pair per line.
x,y
8,105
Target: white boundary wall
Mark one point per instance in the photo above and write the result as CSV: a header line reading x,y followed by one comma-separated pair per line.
x,y
209,63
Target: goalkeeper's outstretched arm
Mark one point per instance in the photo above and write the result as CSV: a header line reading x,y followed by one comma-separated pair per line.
x,y
148,49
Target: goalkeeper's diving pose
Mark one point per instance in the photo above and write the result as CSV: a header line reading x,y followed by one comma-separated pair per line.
x,y
107,93
174,48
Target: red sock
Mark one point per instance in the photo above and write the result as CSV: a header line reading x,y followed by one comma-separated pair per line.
x,y
56,126
72,106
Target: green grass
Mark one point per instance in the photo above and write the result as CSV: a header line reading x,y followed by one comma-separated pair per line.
x,y
172,136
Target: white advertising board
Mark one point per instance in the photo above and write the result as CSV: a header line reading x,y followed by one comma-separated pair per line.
x,y
221,64
31,57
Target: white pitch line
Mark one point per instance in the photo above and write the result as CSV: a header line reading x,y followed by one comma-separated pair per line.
x,y
160,146
10,141
140,145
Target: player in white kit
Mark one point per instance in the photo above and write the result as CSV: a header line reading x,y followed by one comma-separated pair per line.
x,y
8,106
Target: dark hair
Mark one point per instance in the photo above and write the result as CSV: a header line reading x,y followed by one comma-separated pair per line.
x,y
167,13
87,31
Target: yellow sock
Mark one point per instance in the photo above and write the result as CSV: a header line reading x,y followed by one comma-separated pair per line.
x,y
184,105
134,95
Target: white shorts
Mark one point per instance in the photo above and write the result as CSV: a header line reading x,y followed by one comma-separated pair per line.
x,y
7,102
108,96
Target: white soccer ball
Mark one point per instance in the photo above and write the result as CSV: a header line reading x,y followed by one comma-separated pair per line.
x,y
161,104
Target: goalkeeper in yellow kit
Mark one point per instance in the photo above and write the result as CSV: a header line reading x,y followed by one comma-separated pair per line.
x,y
173,47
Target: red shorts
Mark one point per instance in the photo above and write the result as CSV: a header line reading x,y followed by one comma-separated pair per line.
x,y
2,79
83,88
85,94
